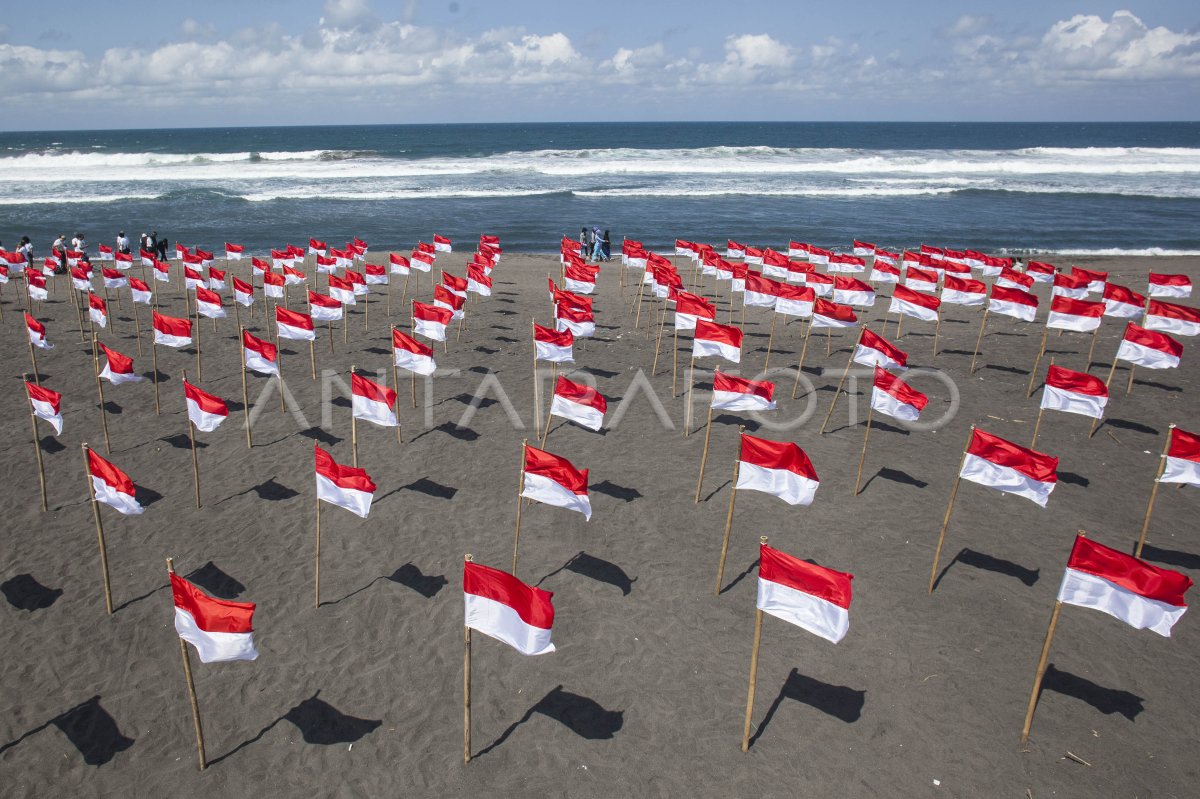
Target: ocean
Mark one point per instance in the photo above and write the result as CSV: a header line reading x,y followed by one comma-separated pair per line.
x,y
1070,188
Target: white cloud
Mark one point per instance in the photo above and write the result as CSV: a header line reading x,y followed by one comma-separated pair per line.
x,y
1085,47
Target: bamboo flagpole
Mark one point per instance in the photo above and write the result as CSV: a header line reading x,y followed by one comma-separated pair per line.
x,y
687,417
137,326
674,360
520,489
37,451
37,379
192,439
770,341
729,515
537,402
978,339
662,320
1036,362
199,368
317,559
837,393
467,685
245,396
87,470
191,686
100,394
863,457
279,367
803,352
1162,464
154,366
937,329
704,454
758,620
1038,424
937,553
353,424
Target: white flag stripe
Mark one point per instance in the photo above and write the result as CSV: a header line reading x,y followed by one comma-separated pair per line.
x,y
552,352
1089,591
702,347
738,401
295,333
1064,321
886,404
414,362
213,647
792,488
258,363
118,378
435,331
44,410
818,616
583,415
115,499
545,489
204,421
1147,357
357,502
1006,479
373,411
1057,399
504,624
1181,470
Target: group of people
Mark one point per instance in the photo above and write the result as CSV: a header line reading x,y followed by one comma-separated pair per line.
x,y
594,244
60,247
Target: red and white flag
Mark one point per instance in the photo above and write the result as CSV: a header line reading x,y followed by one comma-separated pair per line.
x,y
430,321
37,333
205,411
778,468
259,355
883,272
579,321
1013,302
243,292
191,278
294,325
170,331
907,302
342,290
732,393
47,405
113,278
795,301
689,308
445,298
219,629
994,462
822,285
105,252
714,339
208,303
81,279
875,350
581,404
830,314
552,345
97,310
421,261
323,307
1012,279
293,277
1149,348
233,252
442,244
411,354
112,486
118,368
317,247
809,596
920,279
1121,302
1067,313
1171,318
1183,459
216,279
1170,285
554,481
37,286
345,486
1041,272
372,402
893,397
330,265
852,291
1065,285
502,607
273,285
964,291
140,291
1074,392
478,281
734,250
162,271
1095,280
1143,596
863,248
760,292
399,264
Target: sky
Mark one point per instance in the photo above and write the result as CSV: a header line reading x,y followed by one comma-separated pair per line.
x,y
138,64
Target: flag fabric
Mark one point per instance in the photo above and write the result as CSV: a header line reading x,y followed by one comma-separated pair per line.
x,y
689,308
830,314
233,252
243,292
759,291
317,247
581,404
884,272
852,291
192,278
1012,279
37,286
323,307
1067,313
442,244
162,271
140,291
778,468
552,345
430,321
259,355
907,302
1013,302
809,596
893,397
205,411
421,261
112,486
1170,285
294,325
1149,348
37,333
875,350
216,279
1065,285
1121,302
822,285
1183,459
1074,392
715,339
1095,280
345,486
994,462
371,401
554,481
398,264
219,629
1040,272
732,393
1172,318
47,405
113,278
118,368
478,281
1143,596
170,331
411,354
208,303
920,279
443,297
578,321
502,607
293,277
81,279
273,285
97,310
342,290
795,301
964,291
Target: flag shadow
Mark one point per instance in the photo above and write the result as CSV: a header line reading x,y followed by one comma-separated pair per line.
x,y
216,582
598,569
89,728
748,571
615,491
408,575
268,490
839,701
1171,557
318,722
430,488
1107,700
583,716
980,560
895,476
24,592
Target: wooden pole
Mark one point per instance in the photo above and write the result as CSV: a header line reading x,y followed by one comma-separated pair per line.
x,y
674,361
1036,427
353,425
687,417
191,686
1129,385
770,341
729,515
317,560
937,329
100,394
1162,463
537,401
192,439
154,365
662,319
245,396
520,488
137,327
37,379
1091,350
37,451
1041,672
863,457
1036,362
312,359
87,470
279,367
828,340
838,391
937,553
1111,370
199,371
758,620
467,688
704,455
803,352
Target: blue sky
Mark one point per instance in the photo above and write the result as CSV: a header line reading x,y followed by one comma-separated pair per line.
x,y
131,63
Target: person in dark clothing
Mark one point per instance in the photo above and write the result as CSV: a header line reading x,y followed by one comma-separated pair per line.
x,y
162,247
606,247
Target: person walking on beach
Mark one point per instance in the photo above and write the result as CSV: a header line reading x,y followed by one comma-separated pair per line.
x,y
585,242
122,243
26,249
162,245
597,239
606,247
59,250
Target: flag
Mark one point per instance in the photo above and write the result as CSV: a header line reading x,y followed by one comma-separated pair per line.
x,y
273,285
243,293
893,397
478,280
411,354
1067,313
920,279
342,290
430,321
809,596
399,264
1070,286
1008,467
294,325
1171,318
1170,285
779,468
37,333
113,278
1012,279
372,401
123,260
140,291
1013,302
112,486
233,252
554,481
830,314
739,394
578,321
911,303
1095,280
216,279
293,277
1149,348
345,486
759,291
220,629
553,346
118,368
81,279
208,303
323,307
421,261
192,278
162,271
501,606
1074,392
1122,302
445,298
442,244
875,350
47,405
863,248
1124,587
37,286
581,404
317,247
795,301
714,339
1040,272
1183,458
170,331
734,250
105,252
852,291
206,411
259,355
964,291
97,310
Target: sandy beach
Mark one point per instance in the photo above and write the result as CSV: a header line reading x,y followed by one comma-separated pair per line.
x,y
362,696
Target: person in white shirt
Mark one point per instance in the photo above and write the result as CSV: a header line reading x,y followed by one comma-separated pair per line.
x,y
122,242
